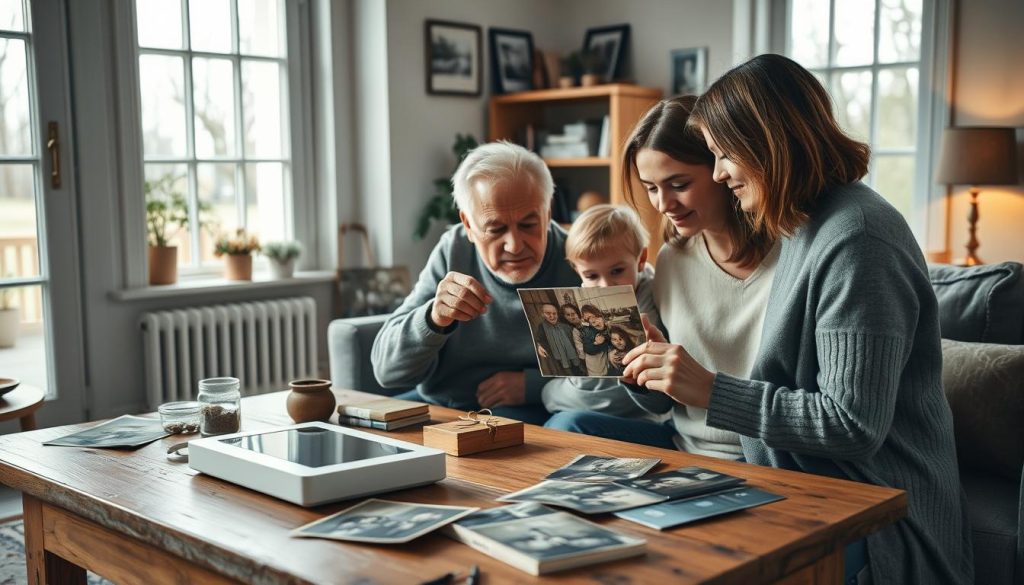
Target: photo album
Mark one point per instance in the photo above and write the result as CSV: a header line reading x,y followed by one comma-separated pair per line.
x,y
582,332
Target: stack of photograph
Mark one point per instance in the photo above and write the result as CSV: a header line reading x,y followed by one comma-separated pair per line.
x,y
386,414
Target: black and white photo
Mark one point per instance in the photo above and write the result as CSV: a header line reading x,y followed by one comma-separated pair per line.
x,y
588,498
684,482
668,514
592,468
609,44
372,291
453,58
382,521
123,431
505,514
689,71
555,535
512,60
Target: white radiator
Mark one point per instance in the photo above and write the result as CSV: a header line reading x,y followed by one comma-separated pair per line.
x,y
264,344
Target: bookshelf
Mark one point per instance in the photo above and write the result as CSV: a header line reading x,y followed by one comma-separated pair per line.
x,y
624,104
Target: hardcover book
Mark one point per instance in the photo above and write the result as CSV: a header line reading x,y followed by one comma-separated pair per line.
x,y
393,425
383,409
677,512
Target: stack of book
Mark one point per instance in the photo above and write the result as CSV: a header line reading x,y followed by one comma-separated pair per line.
x,y
386,414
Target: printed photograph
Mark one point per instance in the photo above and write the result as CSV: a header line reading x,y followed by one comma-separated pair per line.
x,y
689,71
595,469
512,59
505,514
383,522
123,431
582,332
682,482
555,535
372,291
669,514
588,498
453,58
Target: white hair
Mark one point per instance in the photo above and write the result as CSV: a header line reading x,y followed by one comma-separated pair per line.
x,y
499,161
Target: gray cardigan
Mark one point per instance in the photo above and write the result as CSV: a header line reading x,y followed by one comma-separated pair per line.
x,y
847,381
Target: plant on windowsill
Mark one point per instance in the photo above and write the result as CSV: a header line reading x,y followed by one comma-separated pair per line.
x,y
10,318
282,257
237,251
441,206
166,215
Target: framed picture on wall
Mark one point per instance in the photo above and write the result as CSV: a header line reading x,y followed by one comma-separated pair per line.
x,y
689,71
607,44
454,61
511,59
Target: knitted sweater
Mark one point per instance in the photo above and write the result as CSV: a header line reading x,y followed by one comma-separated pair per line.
x,y
847,381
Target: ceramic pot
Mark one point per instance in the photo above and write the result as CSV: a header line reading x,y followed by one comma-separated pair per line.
x,y
238,266
310,400
590,79
566,82
163,264
282,270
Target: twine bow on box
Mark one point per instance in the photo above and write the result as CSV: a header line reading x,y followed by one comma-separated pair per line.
x,y
473,418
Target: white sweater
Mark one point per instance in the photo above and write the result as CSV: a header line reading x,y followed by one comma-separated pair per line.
x,y
717,318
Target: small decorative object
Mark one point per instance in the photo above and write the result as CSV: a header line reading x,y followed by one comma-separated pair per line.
x,y
282,257
511,59
610,43
474,432
454,64
370,290
571,69
540,70
221,406
237,251
441,206
588,199
594,68
310,400
8,384
10,318
180,417
689,71
553,67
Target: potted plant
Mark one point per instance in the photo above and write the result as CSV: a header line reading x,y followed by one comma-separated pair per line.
x,y
593,66
10,318
571,68
442,206
282,257
237,251
166,215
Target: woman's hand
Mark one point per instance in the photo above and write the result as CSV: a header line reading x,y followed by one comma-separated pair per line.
x,y
666,367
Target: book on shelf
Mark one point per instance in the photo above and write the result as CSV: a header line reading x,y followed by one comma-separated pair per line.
x,y
537,539
602,143
383,409
392,425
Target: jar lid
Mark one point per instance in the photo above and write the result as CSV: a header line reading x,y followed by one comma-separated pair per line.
x,y
219,384
179,408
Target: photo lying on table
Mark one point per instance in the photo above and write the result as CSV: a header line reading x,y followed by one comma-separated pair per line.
x,y
596,469
582,332
504,514
123,431
589,498
682,483
382,522
677,512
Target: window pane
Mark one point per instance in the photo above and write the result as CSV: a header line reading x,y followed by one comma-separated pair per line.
x,y
159,23
259,28
213,88
900,31
851,92
11,15
218,205
167,207
855,32
894,180
22,338
265,201
897,107
162,83
19,249
261,95
808,32
209,24
15,133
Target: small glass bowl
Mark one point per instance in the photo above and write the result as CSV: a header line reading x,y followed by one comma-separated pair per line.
x,y
180,418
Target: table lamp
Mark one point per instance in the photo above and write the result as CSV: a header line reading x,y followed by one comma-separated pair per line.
x,y
977,156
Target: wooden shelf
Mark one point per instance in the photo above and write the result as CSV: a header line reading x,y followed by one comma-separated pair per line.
x,y
590,161
577,93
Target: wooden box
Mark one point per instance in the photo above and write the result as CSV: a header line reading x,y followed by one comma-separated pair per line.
x,y
461,437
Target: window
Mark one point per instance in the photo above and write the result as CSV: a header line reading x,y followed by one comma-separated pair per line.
x,y
214,89
868,54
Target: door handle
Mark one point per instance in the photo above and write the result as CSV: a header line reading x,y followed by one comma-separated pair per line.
x,y
53,145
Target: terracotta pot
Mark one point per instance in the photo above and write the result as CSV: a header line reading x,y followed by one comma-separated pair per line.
x,y
163,264
310,400
566,81
238,266
590,79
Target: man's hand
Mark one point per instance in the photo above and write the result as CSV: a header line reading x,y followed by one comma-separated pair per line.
x,y
459,297
541,351
502,389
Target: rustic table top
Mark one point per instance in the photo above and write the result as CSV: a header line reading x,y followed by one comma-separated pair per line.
x,y
244,534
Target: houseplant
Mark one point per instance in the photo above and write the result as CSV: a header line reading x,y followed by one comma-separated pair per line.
x,y
237,251
441,206
166,215
10,318
572,67
282,257
593,66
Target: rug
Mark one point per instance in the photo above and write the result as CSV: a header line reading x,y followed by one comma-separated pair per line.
x,y
12,556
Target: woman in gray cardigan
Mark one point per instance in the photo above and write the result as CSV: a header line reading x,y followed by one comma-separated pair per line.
x,y
847,381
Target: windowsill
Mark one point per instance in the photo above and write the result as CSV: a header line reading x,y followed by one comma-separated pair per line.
x,y
205,285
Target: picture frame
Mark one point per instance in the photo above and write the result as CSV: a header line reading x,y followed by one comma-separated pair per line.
x,y
511,59
610,43
454,64
689,71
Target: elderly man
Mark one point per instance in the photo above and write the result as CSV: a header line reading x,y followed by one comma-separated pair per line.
x,y
461,335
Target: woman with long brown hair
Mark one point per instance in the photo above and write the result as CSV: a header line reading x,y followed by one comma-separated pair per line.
x,y
847,380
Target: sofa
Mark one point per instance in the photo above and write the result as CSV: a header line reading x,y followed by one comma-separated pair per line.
x,y
981,312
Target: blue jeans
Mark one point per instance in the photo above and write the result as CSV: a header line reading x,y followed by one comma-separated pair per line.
x,y
855,560
533,414
631,430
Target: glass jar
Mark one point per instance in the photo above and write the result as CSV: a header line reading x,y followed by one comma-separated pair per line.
x,y
221,406
180,418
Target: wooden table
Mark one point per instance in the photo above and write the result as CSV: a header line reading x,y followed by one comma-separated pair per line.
x,y
22,403
135,517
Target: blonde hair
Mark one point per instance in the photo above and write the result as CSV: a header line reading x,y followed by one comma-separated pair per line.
x,y
602,228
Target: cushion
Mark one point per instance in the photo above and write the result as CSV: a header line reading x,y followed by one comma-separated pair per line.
x,y
992,507
984,384
980,303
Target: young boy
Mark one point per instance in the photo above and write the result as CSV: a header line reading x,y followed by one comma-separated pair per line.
x,y
607,246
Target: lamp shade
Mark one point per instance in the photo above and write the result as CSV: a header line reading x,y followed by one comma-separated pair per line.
x,y
978,156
